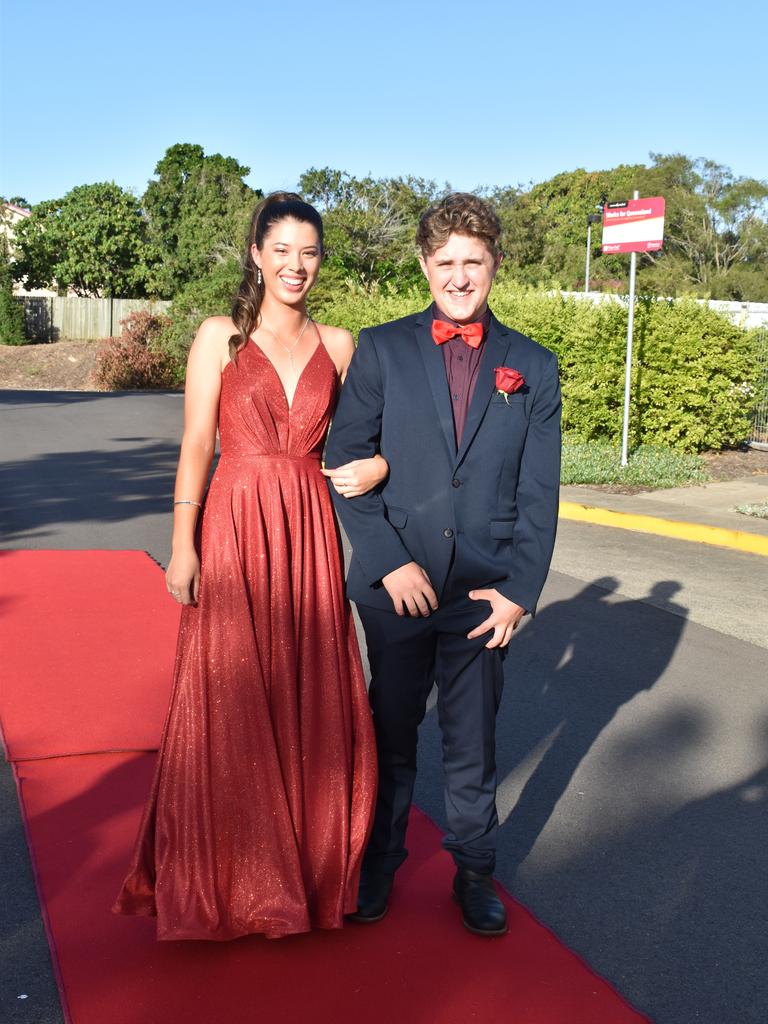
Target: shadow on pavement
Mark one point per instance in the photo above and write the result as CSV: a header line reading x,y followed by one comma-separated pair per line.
x,y
686,892
50,490
29,399
575,665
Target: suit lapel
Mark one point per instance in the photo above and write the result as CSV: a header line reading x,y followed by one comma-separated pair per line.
x,y
495,350
437,377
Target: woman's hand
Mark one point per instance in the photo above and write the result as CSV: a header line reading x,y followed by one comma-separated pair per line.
x,y
183,577
358,477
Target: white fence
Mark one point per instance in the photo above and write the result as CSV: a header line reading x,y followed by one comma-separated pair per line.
x,y
53,319
743,314
50,318
759,435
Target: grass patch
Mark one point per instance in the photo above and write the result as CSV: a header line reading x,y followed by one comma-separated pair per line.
x,y
598,462
759,510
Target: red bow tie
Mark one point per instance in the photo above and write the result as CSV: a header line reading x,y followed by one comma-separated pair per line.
x,y
471,333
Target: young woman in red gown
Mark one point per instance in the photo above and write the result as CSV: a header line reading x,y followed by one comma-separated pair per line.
x,y
262,800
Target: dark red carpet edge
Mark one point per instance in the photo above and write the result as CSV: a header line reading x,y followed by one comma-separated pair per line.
x,y
81,812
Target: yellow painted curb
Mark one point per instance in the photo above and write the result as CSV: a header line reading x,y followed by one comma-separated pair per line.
x,y
695,532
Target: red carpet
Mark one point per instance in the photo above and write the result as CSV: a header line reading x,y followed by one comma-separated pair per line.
x,y
417,967
88,640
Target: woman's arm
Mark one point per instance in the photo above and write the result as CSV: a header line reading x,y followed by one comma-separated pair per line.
x,y
201,404
358,477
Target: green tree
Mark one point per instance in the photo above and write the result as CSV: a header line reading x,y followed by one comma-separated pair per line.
x,y
370,223
92,241
198,209
716,235
11,311
545,227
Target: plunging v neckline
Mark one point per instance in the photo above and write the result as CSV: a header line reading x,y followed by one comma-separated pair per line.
x,y
290,404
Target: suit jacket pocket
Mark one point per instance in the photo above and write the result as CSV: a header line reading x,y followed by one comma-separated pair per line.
x,y
518,398
398,517
503,529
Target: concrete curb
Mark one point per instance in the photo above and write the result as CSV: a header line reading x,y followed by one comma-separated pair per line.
x,y
695,533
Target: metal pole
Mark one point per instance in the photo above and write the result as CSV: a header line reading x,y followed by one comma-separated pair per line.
x,y
589,247
628,370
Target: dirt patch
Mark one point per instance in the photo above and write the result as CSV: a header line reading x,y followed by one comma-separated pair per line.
x,y
57,366
738,462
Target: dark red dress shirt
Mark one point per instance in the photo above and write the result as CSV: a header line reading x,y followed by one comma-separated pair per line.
x,y
462,363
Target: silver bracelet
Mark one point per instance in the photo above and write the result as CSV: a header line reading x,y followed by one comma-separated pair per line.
x,y
186,501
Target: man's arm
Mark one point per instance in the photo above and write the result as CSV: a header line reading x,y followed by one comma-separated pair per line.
x,y
538,493
355,434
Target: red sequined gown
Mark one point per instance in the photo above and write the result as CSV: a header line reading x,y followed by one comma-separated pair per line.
x,y
264,791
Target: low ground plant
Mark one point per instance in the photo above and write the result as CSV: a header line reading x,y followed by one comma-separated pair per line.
x,y
759,510
650,466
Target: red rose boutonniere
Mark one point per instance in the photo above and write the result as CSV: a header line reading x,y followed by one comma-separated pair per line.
x,y
508,381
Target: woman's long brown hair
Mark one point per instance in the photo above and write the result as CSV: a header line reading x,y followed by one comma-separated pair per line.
x,y
246,308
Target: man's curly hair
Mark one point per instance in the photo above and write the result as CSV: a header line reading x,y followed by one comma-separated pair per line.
x,y
458,213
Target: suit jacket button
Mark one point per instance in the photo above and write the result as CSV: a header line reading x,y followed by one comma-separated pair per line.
x,y
448,532
455,483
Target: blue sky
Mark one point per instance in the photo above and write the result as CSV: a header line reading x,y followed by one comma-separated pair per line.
x,y
473,93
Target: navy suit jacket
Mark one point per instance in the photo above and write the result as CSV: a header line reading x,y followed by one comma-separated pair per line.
x,y
486,512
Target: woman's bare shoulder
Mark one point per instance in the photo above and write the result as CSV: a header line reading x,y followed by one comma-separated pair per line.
x,y
212,338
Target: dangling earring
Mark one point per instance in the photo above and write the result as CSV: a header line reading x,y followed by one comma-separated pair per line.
x,y
258,276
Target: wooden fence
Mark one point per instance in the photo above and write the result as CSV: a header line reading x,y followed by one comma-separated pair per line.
x,y
54,319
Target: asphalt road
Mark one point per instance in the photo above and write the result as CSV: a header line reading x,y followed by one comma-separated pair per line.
x,y
632,739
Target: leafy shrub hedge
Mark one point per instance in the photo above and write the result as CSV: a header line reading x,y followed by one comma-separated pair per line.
x,y
694,372
354,306
134,361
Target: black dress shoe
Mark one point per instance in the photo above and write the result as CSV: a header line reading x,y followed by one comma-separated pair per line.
x,y
482,912
373,897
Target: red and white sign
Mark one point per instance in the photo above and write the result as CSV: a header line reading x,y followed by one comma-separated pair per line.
x,y
636,225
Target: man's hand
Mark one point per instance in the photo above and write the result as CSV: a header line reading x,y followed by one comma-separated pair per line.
x,y
411,590
504,618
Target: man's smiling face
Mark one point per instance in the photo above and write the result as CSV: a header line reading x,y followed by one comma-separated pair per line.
x,y
460,274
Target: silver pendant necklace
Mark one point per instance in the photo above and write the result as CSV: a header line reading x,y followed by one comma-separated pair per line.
x,y
288,348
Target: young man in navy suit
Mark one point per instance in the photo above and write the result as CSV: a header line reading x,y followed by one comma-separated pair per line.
x,y
453,549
